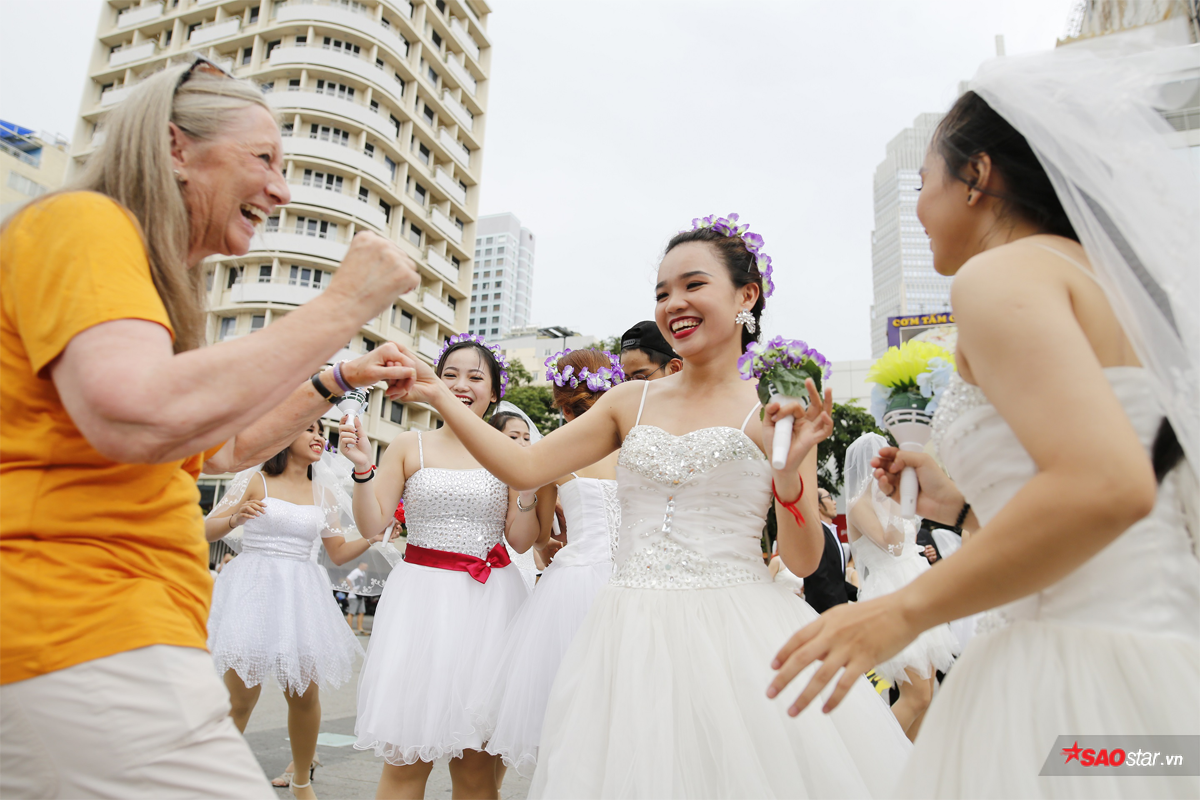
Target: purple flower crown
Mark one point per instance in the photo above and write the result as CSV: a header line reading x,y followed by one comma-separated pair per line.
x,y
600,381
728,226
760,358
501,361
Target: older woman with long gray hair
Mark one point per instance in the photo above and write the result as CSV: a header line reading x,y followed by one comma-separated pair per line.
x,y
112,409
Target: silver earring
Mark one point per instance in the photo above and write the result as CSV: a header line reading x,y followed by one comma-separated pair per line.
x,y
744,317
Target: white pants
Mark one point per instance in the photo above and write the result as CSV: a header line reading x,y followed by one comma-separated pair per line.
x,y
148,723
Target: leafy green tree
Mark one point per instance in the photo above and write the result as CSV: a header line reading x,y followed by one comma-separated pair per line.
x,y
536,402
518,375
850,421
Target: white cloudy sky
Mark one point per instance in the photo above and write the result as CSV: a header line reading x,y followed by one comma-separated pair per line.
x,y
612,124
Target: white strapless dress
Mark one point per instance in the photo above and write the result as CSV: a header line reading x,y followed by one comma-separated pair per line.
x,y
1113,648
544,628
883,573
273,612
438,633
663,692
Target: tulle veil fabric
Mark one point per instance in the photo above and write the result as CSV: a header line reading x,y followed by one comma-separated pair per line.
x,y
1094,121
330,493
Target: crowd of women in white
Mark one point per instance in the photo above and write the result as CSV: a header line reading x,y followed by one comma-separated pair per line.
x,y
649,659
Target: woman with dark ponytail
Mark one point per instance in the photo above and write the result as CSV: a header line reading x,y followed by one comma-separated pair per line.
x,y
1049,192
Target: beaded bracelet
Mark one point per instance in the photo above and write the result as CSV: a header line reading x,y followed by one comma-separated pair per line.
x,y
337,376
962,515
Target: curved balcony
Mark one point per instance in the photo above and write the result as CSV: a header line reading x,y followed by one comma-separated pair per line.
x,y
133,52
364,25
461,74
138,15
464,38
272,293
354,159
342,203
437,307
334,59
447,140
337,106
216,30
443,266
278,243
451,187
465,118
446,226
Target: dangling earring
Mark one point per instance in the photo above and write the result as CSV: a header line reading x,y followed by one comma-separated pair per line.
x,y
744,317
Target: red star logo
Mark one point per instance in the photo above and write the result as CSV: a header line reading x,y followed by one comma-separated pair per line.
x,y
1072,752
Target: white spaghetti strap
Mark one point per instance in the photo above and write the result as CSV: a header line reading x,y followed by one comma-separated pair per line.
x,y
266,495
746,421
420,450
641,405
574,475
1066,257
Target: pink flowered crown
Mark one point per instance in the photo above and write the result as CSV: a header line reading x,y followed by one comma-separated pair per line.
x,y
501,361
600,381
729,226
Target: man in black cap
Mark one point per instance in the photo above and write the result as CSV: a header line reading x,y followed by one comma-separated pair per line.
x,y
645,354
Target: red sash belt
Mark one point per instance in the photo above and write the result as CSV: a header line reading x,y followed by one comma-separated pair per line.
x,y
479,568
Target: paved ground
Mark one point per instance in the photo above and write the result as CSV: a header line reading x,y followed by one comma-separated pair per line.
x,y
347,774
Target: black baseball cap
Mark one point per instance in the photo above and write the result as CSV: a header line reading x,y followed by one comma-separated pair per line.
x,y
646,336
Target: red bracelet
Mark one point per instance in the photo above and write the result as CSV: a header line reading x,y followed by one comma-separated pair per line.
x,y
792,505
368,469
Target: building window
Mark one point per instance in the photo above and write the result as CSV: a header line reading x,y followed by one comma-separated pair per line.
x,y
257,322
391,165
441,6
428,114
375,106
167,39
235,277
264,273
336,89
25,186
254,14
414,234
247,55
399,80
267,88
307,277
437,39
498,284
348,48
397,413
306,226
328,134
402,319
301,41
419,193
459,223
495,331
369,151
323,180
395,124
293,84
387,211
452,302
368,344
272,224
228,327
363,194
423,153
433,76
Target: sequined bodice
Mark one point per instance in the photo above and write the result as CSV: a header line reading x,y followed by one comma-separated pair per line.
x,y
1146,580
285,530
693,509
456,510
593,520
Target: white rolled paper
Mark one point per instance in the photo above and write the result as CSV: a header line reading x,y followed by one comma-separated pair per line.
x,y
782,442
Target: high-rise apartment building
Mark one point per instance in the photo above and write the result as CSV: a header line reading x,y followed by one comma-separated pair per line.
x,y
31,164
383,108
502,290
902,263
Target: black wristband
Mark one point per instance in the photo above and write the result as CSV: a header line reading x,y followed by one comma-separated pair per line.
x,y
321,388
962,515
356,479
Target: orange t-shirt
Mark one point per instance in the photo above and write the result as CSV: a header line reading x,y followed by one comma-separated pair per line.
x,y
96,557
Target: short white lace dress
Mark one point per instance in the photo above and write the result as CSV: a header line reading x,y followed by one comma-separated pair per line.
x,y
273,612
438,633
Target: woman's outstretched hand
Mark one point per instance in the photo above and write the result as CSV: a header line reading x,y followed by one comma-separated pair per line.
x,y
853,637
812,425
354,444
424,386
939,498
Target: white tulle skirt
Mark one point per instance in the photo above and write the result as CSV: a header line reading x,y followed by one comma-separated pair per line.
x,y
932,651
538,637
276,617
663,695
1015,690
434,648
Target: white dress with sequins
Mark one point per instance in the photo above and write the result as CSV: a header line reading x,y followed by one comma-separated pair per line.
x,y
273,613
546,625
663,692
1111,649
438,633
